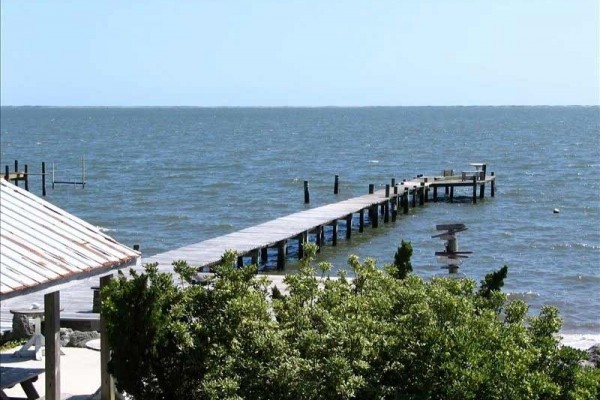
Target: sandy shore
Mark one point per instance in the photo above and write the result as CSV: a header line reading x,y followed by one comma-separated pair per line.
x,y
580,341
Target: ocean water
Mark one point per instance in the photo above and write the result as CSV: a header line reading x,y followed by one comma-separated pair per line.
x,y
168,177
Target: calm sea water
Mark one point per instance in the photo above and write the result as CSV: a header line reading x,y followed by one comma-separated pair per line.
x,y
168,177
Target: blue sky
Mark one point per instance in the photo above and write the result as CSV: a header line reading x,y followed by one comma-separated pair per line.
x,y
300,53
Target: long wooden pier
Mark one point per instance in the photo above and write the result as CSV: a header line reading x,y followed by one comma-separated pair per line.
x,y
253,243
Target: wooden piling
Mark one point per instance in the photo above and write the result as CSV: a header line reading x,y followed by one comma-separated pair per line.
x,y
26,177
361,220
254,256
107,389
422,194
264,255
336,185
334,226
240,261
43,178
348,226
281,253
405,201
493,186
374,216
52,339
394,209
16,172
474,189
386,212
435,195
371,188
306,193
414,197
387,190
6,173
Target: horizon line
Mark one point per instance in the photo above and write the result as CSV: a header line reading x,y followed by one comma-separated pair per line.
x,y
299,106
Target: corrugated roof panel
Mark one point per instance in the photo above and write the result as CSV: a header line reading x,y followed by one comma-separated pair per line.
x,y
44,228
44,245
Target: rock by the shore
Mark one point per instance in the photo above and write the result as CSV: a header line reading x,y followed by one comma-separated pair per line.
x,y
21,328
594,355
71,338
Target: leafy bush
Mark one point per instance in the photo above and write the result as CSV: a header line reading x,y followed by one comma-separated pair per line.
x,y
371,337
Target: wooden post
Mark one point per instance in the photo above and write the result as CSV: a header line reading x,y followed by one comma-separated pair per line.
x,y
264,255
319,237
393,182
107,388
371,188
405,200
26,177
493,186
6,173
43,178
422,194
302,239
475,190
394,206
348,226
240,261
16,172
435,194
254,255
306,193
334,226
374,216
386,213
387,190
336,185
451,193
414,197
361,220
52,338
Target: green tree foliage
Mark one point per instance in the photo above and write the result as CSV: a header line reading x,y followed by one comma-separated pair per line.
x,y
493,282
371,337
402,262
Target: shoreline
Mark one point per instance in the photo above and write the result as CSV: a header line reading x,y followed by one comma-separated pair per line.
x,y
580,341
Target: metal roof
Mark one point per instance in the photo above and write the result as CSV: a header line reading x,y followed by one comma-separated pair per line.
x,y
42,245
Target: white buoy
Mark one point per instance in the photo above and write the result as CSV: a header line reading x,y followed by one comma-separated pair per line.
x,y
556,211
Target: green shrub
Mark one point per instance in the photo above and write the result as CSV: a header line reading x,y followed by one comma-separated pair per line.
x,y
372,337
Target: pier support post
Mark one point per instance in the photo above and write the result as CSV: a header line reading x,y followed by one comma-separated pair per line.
x,y
435,194
493,185
26,177
475,190
43,179
348,226
6,173
334,226
386,212
394,206
240,261
336,185
422,194
371,188
16,172
301,238
374,216
361,220
306,193
254,255
264,255
405,200
387,190
451,193
414,197
281,250
319,237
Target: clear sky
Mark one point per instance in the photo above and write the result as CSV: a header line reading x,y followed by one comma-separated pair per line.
x,y
300,53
